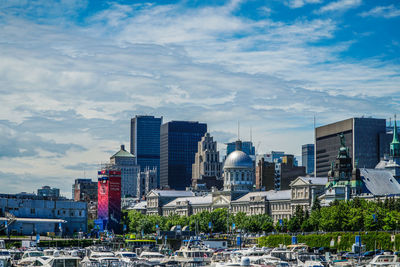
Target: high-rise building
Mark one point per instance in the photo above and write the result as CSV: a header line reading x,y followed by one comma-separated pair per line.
x,y
178,146
145,142
206,163
47,191
364,138
109,200
126,163
307,157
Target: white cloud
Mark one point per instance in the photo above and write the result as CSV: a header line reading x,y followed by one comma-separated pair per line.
x,y
79,86
301,3
382,11
340,5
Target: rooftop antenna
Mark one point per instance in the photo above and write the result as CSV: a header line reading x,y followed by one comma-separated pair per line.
x,y
251,135
238,130
315,151
84,173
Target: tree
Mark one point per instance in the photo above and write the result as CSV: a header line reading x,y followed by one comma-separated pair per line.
x,y
134,217
316,204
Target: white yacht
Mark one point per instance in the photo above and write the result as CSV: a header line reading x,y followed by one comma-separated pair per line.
x,y
268,261
29,257
284,254
101,256
152,257
310,260
193,253
57,261
384,260
5,261
126,256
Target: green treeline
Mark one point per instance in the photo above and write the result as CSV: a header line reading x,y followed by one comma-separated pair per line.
x,y
354,215
348,216
219,218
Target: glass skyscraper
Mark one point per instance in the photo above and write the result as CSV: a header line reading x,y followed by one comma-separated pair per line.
x,y
307,157
145,142
366,139
177,152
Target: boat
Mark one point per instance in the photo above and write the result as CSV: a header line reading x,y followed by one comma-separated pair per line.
x,y
310,260
269,261
29,257
5,261
298,248
152,257
57,261
193,253
284,254
100,256
126,256
384,260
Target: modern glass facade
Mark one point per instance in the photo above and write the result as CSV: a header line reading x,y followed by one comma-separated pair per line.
x,y
145,142
178,146
362,136
307,157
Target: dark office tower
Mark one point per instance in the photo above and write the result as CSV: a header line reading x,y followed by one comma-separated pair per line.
x,y
362,137
307,157
177,152
145,142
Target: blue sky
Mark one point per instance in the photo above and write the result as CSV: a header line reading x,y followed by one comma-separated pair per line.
x,y
73,73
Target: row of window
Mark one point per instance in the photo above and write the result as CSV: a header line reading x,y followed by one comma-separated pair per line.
x,y
239,176
279,206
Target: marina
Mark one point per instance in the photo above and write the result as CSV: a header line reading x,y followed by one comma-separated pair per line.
x,y
193,252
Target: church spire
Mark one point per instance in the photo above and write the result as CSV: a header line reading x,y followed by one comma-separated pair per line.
x,y
395,136
395,145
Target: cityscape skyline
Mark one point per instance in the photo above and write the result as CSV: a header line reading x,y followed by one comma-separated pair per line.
x,y
73,74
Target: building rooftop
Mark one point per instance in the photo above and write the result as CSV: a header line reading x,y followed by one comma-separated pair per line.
x,y
238,159
138,206
315,180
197,200
172,193
270,195
379,182
122,153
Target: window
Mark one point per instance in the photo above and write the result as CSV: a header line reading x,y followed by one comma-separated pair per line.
x,y
32,211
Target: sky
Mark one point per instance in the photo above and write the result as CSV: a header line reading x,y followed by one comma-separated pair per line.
x,y
73,73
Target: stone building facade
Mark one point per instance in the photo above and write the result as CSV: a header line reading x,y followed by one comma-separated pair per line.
x,y
147,180
278,204
206,163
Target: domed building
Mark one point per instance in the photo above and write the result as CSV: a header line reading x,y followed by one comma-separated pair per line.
x,y
238,171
